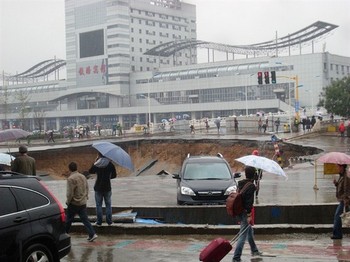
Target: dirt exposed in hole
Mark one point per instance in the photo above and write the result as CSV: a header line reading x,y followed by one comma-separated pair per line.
x,y
169,154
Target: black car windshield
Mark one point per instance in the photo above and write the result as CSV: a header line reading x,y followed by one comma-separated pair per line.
x,y
207,171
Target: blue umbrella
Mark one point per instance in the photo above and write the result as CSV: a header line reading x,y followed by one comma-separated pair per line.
x,y
114,153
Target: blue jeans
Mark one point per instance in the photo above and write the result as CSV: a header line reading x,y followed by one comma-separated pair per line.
x,y
99,198
337,225
72,210
249,233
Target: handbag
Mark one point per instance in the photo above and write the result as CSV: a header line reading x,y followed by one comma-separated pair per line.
x,y
345,218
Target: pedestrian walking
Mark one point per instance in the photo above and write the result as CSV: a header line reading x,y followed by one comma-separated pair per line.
x,y
266,125
120,129
277,124
303,123
308,124
77,196
105,171
207,124
259,125
23,163
50,137
217,123
192,128
343,196
245,218
341,128
236,124
313,121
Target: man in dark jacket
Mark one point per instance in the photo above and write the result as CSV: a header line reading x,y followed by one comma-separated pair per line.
x,y
246,217
24,164
105,170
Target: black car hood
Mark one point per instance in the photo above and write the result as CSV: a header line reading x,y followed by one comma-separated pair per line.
x,y
198,185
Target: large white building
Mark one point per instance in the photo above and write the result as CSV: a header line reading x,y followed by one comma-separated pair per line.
x,y
130,61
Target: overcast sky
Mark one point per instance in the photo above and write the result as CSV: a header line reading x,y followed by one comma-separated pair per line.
x,y
34,30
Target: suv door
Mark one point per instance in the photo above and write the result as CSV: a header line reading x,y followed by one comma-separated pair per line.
x,y
13,219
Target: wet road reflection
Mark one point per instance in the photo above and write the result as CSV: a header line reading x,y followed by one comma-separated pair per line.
x,y
284,247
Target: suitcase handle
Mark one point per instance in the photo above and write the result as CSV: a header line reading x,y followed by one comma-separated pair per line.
x,y
236,237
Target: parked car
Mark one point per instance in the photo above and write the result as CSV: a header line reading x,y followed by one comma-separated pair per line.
x,y
32,221
205,180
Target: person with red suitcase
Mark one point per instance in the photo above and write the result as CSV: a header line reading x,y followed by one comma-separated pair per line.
x,y
246,231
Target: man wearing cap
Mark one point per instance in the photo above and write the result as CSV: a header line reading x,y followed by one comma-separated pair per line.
x,y
23,163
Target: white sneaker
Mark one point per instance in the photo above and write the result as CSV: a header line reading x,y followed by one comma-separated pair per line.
x,y
90,239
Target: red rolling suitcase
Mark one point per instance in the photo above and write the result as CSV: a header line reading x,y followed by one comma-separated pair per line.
x,y
218,249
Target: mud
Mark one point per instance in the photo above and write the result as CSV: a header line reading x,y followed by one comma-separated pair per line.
x,y
167,154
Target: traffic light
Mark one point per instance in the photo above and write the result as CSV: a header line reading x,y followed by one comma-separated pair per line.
x,y
267,77
260,78
273,77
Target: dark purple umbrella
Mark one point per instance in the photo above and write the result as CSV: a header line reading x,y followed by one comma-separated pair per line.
x,y
13,134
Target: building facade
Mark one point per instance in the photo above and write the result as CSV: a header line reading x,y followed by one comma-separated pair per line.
x,y
111,79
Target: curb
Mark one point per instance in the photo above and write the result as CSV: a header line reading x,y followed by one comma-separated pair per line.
x,y
194,229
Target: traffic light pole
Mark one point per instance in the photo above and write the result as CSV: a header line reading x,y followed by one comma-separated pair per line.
x,y
296,79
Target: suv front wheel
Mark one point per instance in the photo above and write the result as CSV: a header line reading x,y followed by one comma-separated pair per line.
x,y
38,252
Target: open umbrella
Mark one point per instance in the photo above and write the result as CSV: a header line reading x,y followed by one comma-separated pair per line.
x,y
263,163
114,153
13,134
335,158
5,159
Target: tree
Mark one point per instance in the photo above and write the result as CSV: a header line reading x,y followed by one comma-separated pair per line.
x,y
336,97
39,119
23,98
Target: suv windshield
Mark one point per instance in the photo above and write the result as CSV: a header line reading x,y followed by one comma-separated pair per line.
x,y
203,171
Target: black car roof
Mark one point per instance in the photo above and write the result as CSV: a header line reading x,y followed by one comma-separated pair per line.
x,y
205,159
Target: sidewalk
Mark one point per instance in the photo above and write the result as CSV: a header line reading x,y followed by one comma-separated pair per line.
x,y
126,248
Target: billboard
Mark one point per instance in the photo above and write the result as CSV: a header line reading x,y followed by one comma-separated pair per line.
x,y
91,43
92,73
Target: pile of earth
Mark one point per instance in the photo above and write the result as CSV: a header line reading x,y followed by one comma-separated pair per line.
x,y
153,156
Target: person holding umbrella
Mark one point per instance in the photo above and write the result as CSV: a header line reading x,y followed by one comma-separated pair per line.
x,y
343,195
104,170
246,219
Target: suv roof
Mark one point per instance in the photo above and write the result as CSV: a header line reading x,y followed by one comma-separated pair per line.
x,y
199,158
